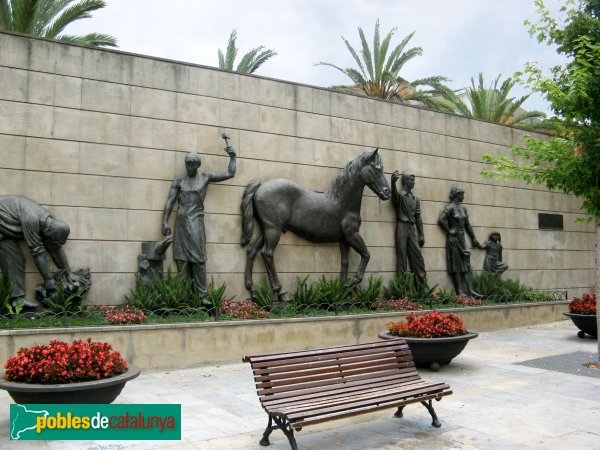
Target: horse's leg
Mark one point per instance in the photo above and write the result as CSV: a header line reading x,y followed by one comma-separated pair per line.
x,y
356,242
250,255
344,251
271,238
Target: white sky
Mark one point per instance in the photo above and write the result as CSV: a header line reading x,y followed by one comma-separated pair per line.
x,y
460,38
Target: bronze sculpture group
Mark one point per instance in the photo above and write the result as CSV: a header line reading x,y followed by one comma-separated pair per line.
x,y
278,205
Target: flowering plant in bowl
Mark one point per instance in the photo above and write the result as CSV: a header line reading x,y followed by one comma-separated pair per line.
x,y
428,325
63,363
434,338
582,312
586,304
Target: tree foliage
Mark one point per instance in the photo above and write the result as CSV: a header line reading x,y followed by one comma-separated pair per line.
x,y
249,62
571,162
48,19
492,103
378,73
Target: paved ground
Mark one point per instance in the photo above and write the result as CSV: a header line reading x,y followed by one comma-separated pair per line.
x,y
498,402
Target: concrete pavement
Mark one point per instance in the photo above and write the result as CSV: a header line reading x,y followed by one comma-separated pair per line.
x,y
513,389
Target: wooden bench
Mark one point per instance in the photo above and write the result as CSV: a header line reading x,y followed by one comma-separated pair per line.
x,y
308,387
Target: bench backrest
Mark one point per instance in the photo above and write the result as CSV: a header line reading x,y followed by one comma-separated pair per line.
x,y
287,375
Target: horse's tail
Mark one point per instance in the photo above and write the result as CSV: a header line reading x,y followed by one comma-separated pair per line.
x,y
248,212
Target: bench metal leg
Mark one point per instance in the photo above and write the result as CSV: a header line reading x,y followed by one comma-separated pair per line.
x,y
436,423
284,426
399,413
264,442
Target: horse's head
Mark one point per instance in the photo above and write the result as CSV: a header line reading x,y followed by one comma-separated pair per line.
x,y
371,173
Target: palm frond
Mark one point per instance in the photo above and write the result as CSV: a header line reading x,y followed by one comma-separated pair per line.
x,y
49,18
78,11
249,63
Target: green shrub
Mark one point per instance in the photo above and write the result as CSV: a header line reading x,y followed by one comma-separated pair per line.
x,y
6,291
216,295
173,292
367,296
263,295
143,296
404,286
332,293
306,293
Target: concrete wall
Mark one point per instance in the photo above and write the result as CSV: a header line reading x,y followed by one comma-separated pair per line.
x,y
98,135
177,346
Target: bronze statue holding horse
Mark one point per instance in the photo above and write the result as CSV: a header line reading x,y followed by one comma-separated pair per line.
x,y
280,205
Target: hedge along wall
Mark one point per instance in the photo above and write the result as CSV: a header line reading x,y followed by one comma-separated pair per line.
x,y
97,136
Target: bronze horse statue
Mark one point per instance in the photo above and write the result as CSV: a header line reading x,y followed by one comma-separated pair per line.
x,y
280,205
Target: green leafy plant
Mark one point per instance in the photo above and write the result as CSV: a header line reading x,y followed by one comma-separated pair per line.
x,y
306,293
216,295
143,296
404,286
368,295
444,297
60,301
6,292
171,293
332,292
490,284
538,296
263,295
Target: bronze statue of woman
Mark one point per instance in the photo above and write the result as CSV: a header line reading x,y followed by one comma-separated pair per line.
x,y
455,221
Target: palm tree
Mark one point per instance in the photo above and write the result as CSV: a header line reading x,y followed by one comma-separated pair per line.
x,y
378,74
492,104
48,18
250,61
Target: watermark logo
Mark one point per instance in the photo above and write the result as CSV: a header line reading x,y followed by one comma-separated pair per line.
x,y
97,422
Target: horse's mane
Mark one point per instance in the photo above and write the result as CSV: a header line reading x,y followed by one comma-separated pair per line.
x,y
339,184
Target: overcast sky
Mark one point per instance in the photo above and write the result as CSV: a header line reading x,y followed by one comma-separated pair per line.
x,y
460,38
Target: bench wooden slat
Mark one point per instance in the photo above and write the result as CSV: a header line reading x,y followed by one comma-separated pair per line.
x,y
265,369
313,355
367,396
292,397
329,382
362,410
347,371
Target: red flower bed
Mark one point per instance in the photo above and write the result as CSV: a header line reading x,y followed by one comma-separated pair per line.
x,y
469,301
243,310
428,325
584,305
61,363
124,314
399,304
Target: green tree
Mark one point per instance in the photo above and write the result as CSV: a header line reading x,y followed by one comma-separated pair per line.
x,y
492,103
250,61
570,163
48,19
378,73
